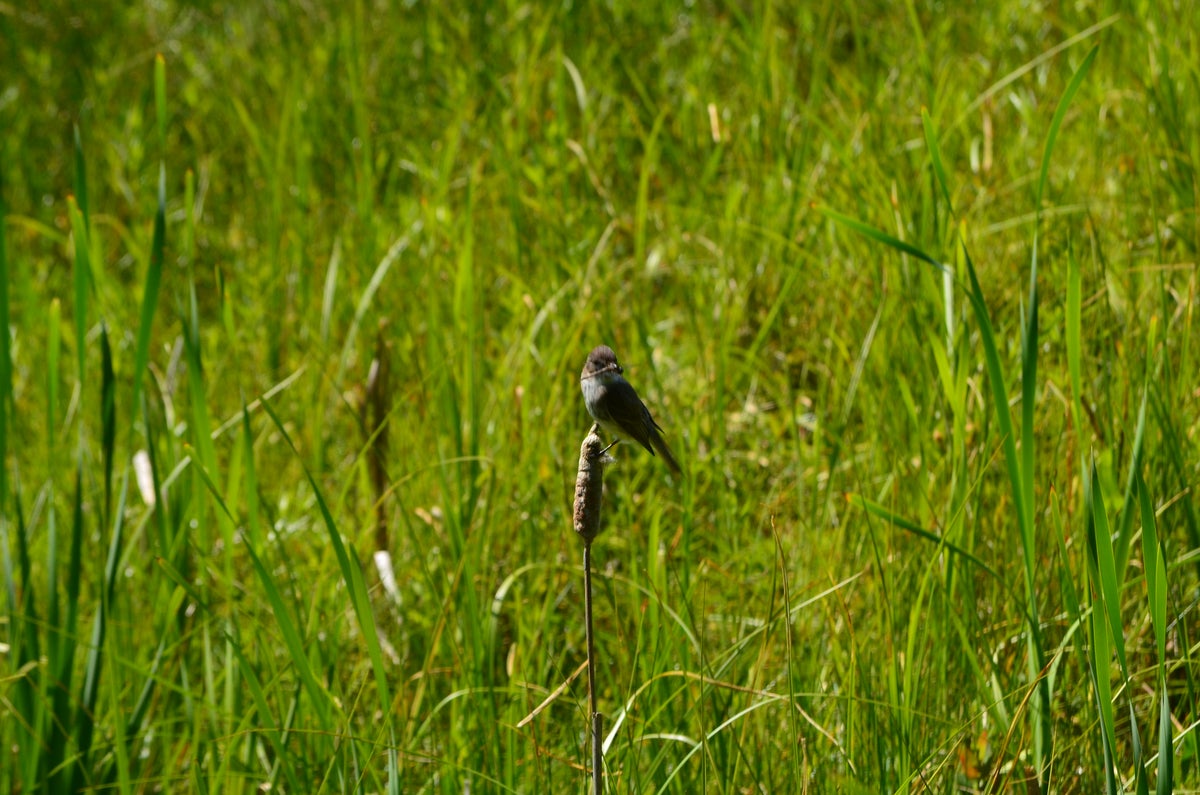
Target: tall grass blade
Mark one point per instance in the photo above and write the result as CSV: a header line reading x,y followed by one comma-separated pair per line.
x,y
1074,336
291,636
1060,114
82,281
53,354
872,233
1166,747
914,528
252,519
935,157
60,651
85,716
159,513
368,295
6,384
999,391
1156,571
20,627
108,417
151,289
160,101
1066,580
329,293
1154,562
63,654
1106,570
1029,355
352,575
1175,447
1101,660
29,712
939,173
1029,352
200,426
81,187
1030,348
274,736
141,708
1129,506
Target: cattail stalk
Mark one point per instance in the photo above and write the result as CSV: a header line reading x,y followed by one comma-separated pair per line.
x,y
589,489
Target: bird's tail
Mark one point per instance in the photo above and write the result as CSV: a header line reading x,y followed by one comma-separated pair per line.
x,y
660,447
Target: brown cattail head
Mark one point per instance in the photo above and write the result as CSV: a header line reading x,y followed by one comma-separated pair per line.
x,y
589,486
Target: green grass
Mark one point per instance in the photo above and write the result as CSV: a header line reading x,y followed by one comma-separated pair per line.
x,y
911,291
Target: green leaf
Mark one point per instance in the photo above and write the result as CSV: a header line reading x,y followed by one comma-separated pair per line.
x,y
82,280
1156,571
1059,114
1166,747
1109,585
1074,335
150,291
876,509
351,573
935,156
160,99
879,236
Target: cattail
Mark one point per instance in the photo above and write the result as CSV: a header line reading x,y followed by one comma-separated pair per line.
x,y
589,487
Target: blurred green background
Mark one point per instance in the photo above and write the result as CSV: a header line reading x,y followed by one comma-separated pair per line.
x,y
884,570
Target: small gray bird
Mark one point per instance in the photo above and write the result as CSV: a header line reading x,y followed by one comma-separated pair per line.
x,y
616,407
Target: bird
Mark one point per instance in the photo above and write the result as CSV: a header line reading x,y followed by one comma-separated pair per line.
x,y
615,406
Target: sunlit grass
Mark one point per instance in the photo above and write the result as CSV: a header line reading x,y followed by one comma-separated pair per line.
x,y
911,294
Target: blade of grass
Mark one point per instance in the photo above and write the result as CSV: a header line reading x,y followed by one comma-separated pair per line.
x,y
1177,454
935,157
81,189
1108,586
1129,507
368,295
1074,335
1106,569
1029,357
1156,571
872,233
108,417
939,173
914,528
319,696
59,651
1060,114
85,716
53,353
1101,659
82,279
1154,562
152,286
352,575
6,384
252,507
29,707
274,736
63,661
1166,748
160,101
